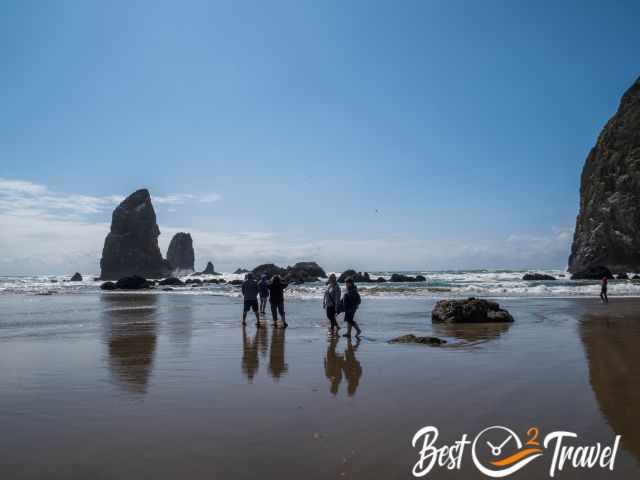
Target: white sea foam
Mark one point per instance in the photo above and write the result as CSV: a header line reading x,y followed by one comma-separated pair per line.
x,y
481,283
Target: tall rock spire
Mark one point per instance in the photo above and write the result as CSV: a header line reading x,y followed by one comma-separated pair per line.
x,y
608,224
131,247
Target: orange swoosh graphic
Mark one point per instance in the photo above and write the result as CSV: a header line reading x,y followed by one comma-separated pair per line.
x,y
516,457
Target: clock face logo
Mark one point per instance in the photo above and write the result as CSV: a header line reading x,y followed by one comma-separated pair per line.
x,y
498,451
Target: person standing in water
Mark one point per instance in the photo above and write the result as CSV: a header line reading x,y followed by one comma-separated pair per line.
x,y
350,303
331,301
603,289
276,298
250,294
263,289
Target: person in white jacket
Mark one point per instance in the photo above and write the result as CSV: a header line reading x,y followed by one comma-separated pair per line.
x,y
331,301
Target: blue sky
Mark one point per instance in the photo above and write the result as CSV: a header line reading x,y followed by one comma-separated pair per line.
x,y
275,130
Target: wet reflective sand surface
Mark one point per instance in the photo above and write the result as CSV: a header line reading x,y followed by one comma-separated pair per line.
x,y
166,386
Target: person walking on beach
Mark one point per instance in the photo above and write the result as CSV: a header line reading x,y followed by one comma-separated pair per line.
x,y
603,289
250,294
276,298
263,289
331,301
350,303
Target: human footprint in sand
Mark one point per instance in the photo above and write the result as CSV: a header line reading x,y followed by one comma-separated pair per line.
x,y
350,303
331,301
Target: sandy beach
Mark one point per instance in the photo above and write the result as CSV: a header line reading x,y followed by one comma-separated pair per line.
x,y
114,385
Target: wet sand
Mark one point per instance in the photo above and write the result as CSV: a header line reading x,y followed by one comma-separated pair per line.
x,y
161,386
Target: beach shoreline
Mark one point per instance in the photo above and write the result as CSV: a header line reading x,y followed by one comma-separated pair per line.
x,y
171,385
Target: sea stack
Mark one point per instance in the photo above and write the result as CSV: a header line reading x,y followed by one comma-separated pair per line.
x,y
607,230
131,247
209,269
180,253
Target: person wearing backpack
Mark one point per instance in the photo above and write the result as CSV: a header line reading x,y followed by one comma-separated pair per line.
x,y
350,303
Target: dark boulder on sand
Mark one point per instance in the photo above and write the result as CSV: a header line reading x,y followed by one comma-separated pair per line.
x,y
134,282
380,280
537,277
419,340
471,310
131,247
76,277
303,272
357,277
593,273
635,277
171,281
235,282
398,277
268,269
622,276
180,254
108,286
608,223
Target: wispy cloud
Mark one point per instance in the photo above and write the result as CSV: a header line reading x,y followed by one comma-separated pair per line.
x,y
19,197
42,231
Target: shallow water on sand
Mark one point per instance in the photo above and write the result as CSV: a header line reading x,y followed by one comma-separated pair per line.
x,y
159,386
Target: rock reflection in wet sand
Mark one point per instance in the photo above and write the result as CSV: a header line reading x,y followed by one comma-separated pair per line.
x,y
131,336
611,346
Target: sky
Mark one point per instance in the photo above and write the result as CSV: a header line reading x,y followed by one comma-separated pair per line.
x,y
373,135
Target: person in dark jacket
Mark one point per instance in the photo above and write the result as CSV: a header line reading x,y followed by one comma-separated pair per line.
x,y
331,301
276,299
350,303
263,289
603,289
250,294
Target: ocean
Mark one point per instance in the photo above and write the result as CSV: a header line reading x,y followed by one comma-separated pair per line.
x,y
439,284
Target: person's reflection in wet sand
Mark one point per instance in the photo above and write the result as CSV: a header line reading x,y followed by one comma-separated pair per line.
x,y
333,365
352,367
338,365
277,365
129,323
250,347
611,347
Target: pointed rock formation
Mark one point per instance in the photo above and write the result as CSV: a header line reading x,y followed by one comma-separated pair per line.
x,y
131,247
180,253
209,270
608,225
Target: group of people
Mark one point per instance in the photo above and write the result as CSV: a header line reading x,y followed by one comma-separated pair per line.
x,y
334,302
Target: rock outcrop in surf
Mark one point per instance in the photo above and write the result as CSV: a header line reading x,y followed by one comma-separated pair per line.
x,y
131,247
608,224
180,254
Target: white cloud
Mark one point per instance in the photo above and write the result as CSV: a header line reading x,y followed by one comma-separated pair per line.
x,y
47,232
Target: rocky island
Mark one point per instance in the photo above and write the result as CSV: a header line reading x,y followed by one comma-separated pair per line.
x,y
131,247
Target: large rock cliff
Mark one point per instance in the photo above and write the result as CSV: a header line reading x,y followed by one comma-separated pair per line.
x,y
608,224
131,247
180,253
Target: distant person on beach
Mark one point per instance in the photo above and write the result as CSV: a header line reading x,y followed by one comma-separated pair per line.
x,y
276,298
350,303
250,294
263,289
331,301
603,290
